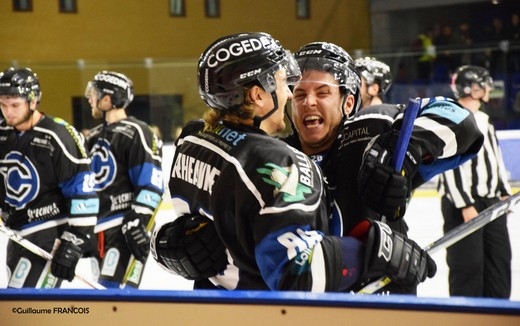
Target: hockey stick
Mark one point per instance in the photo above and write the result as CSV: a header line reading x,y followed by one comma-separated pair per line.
x,y
410,113
403,139
463,230
42,253
133,262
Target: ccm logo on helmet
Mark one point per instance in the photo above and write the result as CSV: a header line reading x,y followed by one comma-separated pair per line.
x,y
237,49
112,80
308,52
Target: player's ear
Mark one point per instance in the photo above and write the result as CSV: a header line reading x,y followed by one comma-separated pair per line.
x,y
373,90
255,94
348,104
32,105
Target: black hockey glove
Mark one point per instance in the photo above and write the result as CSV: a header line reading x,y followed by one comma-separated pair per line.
x,y
394,255
136,236
72,246
380,186
190,247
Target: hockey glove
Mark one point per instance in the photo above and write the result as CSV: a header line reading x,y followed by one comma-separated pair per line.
x,y
394,255
136,236
190,247
72,246
380,186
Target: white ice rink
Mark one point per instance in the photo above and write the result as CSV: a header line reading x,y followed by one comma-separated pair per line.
x,y
424,219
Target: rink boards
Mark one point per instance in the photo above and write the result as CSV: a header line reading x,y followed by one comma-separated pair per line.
x,y
153,307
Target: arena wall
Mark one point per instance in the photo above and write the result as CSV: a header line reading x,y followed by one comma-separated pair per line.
x,y
214,307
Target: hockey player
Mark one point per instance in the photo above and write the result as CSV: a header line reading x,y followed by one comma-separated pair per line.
x,y
46,191
362,186
376,80
329,91
267,199
480,264
126,157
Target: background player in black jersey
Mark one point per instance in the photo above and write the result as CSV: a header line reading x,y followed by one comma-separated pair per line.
x,y
376,80
126,157
480,264
267,200
46,186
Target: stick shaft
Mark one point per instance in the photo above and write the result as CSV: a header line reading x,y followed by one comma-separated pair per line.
x,y
42,253
133,261
486,216
410,113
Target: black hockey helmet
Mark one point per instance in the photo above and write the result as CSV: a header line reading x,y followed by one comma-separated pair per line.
x,y
235,61
375,71
20,82
465,76
331,58
116,85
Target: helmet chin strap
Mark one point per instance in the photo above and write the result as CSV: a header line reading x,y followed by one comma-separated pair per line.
x,y
257,120
342,106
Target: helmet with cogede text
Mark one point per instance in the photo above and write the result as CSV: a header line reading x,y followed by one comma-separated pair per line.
x,y
119,87
237,61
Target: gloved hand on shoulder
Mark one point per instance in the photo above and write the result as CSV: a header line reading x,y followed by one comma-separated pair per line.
x,y
190,247
382,188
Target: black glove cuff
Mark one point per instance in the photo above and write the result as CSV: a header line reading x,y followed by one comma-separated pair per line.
x,y
77,238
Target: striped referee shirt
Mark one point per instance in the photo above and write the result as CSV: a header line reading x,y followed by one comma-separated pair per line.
x,y
483,176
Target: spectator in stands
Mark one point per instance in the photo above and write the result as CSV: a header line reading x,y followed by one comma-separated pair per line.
x,y
464,41
424,44
446,61
513,35
496,38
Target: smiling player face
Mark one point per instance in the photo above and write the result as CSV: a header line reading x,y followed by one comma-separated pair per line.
x,y
317,110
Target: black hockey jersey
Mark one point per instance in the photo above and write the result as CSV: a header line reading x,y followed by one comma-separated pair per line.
x,y
126,159
46,177
445,130
267,200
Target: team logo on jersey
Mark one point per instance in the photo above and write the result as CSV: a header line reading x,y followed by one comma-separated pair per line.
x,y
286,180
294,181
103,164
21,179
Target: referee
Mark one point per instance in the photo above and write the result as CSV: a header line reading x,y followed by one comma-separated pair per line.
x,y
480,264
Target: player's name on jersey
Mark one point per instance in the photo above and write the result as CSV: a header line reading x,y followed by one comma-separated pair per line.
x,y
198,173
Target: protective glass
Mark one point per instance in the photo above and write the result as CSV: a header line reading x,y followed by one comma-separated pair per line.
x,y
292,71
91,88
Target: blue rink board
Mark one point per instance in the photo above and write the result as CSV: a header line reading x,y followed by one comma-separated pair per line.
x,y
394,302
509,142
